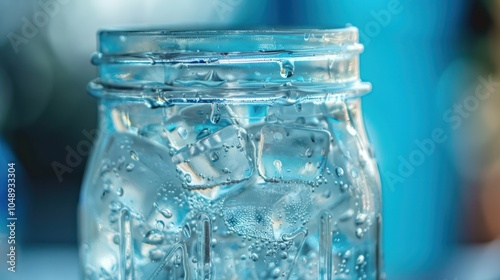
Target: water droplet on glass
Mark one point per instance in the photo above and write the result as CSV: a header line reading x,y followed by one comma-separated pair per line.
x,y
166,213
204,133
359,232
286,68
278,165
339,171
284,255
347,254
309,152
130,167
344,187
160,225
187,178
119,191
243,257
354,173
156,254
360,260
115,206
133,155
254,257
214,157
153,237
215,114
307,36
327,194
276,272
361,218
226,170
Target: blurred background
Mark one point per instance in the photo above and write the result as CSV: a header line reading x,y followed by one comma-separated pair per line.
x,y
434,69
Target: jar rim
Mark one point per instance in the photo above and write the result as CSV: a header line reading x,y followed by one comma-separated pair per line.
x,y
220,63
114,41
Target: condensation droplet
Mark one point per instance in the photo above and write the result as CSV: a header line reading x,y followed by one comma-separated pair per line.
x,y
276,273
254,257
115,206
119,191
309,152
361,218
278,165
187,178
153,237
156,254
339,171
130,167
359,232
360,260
286,68
160,225
214,157
133,155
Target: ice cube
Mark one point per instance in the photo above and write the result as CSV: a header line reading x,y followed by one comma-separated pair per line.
x,y
221,158
195,122
292,153
268,210
224,157
139,174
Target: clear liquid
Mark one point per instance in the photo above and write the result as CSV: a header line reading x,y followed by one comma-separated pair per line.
x,y
205,191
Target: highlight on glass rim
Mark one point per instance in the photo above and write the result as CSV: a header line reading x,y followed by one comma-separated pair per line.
x,y
236,139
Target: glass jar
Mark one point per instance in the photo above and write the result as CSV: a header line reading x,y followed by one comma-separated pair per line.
x,y
230,155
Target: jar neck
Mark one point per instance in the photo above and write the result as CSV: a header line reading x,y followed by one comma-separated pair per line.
x,y
213,65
